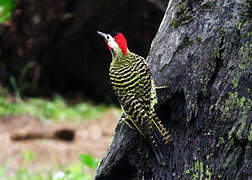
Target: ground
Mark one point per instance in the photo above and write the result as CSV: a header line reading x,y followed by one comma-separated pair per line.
x,y
44,151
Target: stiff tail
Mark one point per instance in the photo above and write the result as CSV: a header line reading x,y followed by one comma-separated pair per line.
x,y
160,137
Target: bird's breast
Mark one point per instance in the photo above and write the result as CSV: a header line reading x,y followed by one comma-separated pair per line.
x,y
129,79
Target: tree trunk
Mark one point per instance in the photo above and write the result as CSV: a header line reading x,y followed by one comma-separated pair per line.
x,y
202,52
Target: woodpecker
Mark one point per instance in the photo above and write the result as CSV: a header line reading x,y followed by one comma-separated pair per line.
x,y
134,87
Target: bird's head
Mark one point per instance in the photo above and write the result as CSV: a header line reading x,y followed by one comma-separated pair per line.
x,y
116,43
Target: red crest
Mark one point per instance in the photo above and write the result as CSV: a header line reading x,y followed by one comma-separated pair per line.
x,y
121,41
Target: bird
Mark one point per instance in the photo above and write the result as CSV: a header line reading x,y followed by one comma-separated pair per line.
x,y
135,89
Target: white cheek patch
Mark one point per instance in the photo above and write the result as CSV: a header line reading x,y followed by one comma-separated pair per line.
x,y
112,43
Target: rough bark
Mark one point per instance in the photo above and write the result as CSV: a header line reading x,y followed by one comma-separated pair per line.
x,y
202,52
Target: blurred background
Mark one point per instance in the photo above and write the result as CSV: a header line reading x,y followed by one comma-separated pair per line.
x,y
57,109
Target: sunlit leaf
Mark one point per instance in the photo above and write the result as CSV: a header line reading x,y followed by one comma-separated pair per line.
x,y
89,161
6,7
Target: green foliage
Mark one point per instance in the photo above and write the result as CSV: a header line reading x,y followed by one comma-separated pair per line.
x,y
75,172
29,156
3,170
89,161
18,88
57,109
6,7
24,174
19,85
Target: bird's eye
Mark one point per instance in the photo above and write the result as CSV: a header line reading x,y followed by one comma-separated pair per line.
x,y
107,37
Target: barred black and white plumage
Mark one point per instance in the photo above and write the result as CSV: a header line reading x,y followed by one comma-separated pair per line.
x,y
134,87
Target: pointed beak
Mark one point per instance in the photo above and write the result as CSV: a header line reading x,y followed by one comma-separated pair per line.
x,y
104,35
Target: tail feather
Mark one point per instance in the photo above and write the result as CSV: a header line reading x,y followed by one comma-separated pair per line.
x,y
160,137
160,130
159,154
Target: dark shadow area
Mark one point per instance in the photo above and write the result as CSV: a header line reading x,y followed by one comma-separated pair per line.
x,y
65,135
172,112
53,46
61,134
28,136
123,171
